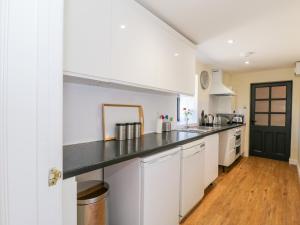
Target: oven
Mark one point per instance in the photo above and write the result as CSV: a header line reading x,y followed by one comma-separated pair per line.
x,y
238,140
237,150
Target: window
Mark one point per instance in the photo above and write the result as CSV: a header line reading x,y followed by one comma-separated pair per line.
x,y
189,102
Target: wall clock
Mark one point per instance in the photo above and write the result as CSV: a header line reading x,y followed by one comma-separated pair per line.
x,y
204,79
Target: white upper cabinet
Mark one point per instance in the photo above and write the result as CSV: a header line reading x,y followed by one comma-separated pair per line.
x,y
120,41
87,38
148,52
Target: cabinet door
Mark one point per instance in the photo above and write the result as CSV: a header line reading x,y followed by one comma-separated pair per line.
x,y
147,52
135,44
87,38
183,66
121,42
177,66
160,191
211,158
192,179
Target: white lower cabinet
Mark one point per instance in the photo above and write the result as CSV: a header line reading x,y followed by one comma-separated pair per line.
x,y
192,176
227,151
211,159
160,189
145,191
69,201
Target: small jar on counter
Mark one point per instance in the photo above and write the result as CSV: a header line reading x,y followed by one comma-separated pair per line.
x,y
166,126
120,131
129,131
137,129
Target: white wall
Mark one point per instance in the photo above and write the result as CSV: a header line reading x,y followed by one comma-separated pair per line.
x,y
298,164
82,109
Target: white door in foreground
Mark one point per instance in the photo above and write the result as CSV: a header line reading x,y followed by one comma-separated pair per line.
x,y
30,111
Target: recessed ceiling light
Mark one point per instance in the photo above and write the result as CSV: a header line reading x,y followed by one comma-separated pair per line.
x,y
230,41
247,62
122,26
176,54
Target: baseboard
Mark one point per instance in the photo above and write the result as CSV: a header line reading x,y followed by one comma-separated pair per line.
x,y
297,164
293,162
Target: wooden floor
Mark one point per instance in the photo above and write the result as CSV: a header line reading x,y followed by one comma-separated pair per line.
x,y
256,191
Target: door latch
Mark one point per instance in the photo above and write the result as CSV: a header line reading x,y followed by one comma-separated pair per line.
x,y
54,176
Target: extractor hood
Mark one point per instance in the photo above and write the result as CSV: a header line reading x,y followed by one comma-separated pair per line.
x,y
217,86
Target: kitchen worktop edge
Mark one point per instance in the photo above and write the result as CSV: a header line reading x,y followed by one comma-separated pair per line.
x,y
85,157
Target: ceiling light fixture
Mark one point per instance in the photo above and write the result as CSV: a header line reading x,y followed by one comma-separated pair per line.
x,y
176,54
123,26
230,41
247,62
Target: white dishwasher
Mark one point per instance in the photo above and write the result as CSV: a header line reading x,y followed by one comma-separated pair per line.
x,y
192,176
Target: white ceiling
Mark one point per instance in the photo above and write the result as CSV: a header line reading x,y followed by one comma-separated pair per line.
x,y
270,28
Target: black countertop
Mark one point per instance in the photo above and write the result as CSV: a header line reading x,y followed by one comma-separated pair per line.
x,y
86,157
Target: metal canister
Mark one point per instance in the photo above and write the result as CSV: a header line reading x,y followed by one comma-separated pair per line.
x,y
120,131
129,131
166,126
137,129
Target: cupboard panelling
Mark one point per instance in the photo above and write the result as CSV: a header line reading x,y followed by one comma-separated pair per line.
x,y
87,37
120,41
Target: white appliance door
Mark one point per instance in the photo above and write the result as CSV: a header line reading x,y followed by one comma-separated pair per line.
x,y
160,189
192,179
230,154
211,158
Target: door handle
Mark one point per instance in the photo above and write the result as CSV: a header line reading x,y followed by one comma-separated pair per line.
x,y
162,159
54,176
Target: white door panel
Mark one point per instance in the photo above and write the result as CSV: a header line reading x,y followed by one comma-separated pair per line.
x,y
30,111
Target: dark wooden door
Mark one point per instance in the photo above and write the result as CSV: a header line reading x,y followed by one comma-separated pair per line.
x,y
270,128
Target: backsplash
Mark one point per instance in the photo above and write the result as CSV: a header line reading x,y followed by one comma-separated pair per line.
x,y
82,117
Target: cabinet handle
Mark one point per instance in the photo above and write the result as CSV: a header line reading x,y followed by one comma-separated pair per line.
x,y
195,153
162,159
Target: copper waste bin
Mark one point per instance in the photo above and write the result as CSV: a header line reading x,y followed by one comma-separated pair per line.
x,y
92,203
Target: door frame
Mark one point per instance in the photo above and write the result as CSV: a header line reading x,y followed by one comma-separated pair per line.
x,y
289,119
31,82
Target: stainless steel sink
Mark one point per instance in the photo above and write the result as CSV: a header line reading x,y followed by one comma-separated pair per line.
x,y
197,129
